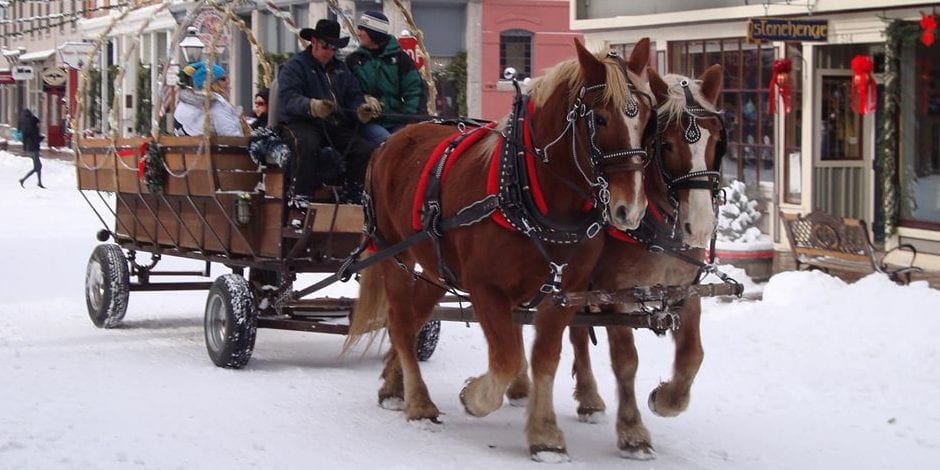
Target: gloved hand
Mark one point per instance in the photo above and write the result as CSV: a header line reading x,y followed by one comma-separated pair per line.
x,y
321,108
369,110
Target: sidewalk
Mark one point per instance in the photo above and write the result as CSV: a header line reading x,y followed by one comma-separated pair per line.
x,y
46,153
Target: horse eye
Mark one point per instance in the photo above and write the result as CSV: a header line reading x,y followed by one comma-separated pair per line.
x,y
600,121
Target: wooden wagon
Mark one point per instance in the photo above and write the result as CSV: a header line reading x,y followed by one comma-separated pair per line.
x,y
215,205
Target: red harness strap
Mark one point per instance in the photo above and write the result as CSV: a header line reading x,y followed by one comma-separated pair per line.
x,y
474,137
492,183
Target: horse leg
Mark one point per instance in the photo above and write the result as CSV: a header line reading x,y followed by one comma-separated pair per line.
x,y
591,406
672,397
408,311
392,392
484,394
546,441
518,392
633,439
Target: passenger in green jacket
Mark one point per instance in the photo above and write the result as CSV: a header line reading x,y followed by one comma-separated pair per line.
x,y
387,73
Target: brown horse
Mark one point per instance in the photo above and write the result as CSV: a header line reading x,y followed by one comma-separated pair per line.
x,y
690,140
580,130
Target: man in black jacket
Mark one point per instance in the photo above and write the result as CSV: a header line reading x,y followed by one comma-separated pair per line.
x,y
322,104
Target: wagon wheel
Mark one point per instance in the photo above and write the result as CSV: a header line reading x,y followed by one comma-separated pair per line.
x,y
427,339
231,322
107,286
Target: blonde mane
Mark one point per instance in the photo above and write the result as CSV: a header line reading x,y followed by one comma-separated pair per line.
x,y
675,106
568,73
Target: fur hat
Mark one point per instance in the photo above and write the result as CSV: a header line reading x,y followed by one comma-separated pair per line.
x,y
326,30
197,70
375,24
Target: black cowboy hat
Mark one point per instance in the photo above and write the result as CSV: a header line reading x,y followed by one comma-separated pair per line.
x,y
326,30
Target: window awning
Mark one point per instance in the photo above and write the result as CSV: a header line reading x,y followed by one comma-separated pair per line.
x,y
37,56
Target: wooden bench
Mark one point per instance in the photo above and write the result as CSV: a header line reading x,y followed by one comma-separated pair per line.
x,y
821,241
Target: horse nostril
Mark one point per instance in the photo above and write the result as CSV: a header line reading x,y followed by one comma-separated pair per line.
x,y
688,228
621,213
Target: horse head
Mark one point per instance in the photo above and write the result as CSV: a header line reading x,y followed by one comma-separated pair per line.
x,y
594,97
691,140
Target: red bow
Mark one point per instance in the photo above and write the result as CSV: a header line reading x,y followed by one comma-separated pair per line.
x,y
780,84
928,23
864,90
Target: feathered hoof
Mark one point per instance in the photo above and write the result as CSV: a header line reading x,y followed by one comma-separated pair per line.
x,y
643,451
392,403
591,416
546,454
659,406
427,424
472,409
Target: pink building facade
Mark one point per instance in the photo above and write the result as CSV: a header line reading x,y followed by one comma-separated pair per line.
x,y
530,36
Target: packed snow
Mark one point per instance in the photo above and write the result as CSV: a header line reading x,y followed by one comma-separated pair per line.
x,y
818,374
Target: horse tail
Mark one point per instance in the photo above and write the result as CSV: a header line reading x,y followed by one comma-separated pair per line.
x,y
370,313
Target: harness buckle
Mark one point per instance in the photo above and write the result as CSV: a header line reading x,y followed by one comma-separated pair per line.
x,y
593,230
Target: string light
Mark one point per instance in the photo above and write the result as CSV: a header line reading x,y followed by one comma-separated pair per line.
x,y
64,18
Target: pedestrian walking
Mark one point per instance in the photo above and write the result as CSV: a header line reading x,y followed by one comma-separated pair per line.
x,y
29,127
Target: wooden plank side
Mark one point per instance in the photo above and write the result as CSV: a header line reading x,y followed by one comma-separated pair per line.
x,y
270,219
338,218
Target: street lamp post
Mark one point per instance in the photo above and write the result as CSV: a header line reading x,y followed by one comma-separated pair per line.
x,y
191,46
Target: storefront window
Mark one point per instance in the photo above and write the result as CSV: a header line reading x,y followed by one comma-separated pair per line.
x,y
747,67
920,134
792,133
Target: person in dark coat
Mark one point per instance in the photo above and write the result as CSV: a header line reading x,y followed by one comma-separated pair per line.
x,y
29,126
260,108
322,105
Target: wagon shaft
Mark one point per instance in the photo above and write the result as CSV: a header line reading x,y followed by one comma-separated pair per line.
x,y
656,293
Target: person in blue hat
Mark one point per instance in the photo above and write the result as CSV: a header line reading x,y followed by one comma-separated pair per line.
x,y
190,117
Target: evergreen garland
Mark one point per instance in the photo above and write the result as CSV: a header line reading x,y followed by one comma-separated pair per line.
x,y
898,35
155,171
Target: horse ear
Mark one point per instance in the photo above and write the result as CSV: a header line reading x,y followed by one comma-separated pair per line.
x,y
640,57
658,86
712,81
594,71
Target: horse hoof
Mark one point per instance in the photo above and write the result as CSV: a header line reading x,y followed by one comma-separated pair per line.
x,y
663,409
639,452
427,424
592,416
519,402
476,413
392,403
546,454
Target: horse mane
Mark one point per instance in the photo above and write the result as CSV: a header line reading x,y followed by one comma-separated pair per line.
x,y
675,106
568,73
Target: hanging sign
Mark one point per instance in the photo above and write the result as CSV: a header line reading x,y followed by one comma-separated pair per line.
x,y
22,72
54,76
75,54
779,29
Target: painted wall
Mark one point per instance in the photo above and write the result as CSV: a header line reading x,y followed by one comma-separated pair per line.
x,y
552,42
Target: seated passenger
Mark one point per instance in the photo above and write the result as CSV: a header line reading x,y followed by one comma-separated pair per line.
x,y
321,104
260,108
387,73
225,120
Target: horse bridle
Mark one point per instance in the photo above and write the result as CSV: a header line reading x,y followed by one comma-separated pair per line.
x,y
702,179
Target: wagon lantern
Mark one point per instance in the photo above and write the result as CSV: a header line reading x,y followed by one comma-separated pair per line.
x,y
191,45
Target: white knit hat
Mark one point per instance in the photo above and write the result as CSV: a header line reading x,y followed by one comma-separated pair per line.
x,y
375,21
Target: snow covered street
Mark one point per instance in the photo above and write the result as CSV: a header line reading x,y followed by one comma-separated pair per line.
x,y
818,374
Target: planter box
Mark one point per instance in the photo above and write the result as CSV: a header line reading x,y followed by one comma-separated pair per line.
x,y
755,258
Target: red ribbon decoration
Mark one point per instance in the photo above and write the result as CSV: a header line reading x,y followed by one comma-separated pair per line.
x,y
780,85
864,90
928,23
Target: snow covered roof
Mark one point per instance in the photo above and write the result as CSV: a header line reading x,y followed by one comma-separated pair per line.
x,y
37,56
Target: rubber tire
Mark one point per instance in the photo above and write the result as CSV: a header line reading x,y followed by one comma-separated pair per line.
x,y
231,322
107,286
427,339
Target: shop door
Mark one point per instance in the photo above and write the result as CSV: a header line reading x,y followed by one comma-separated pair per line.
x,y
842,175
55,129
